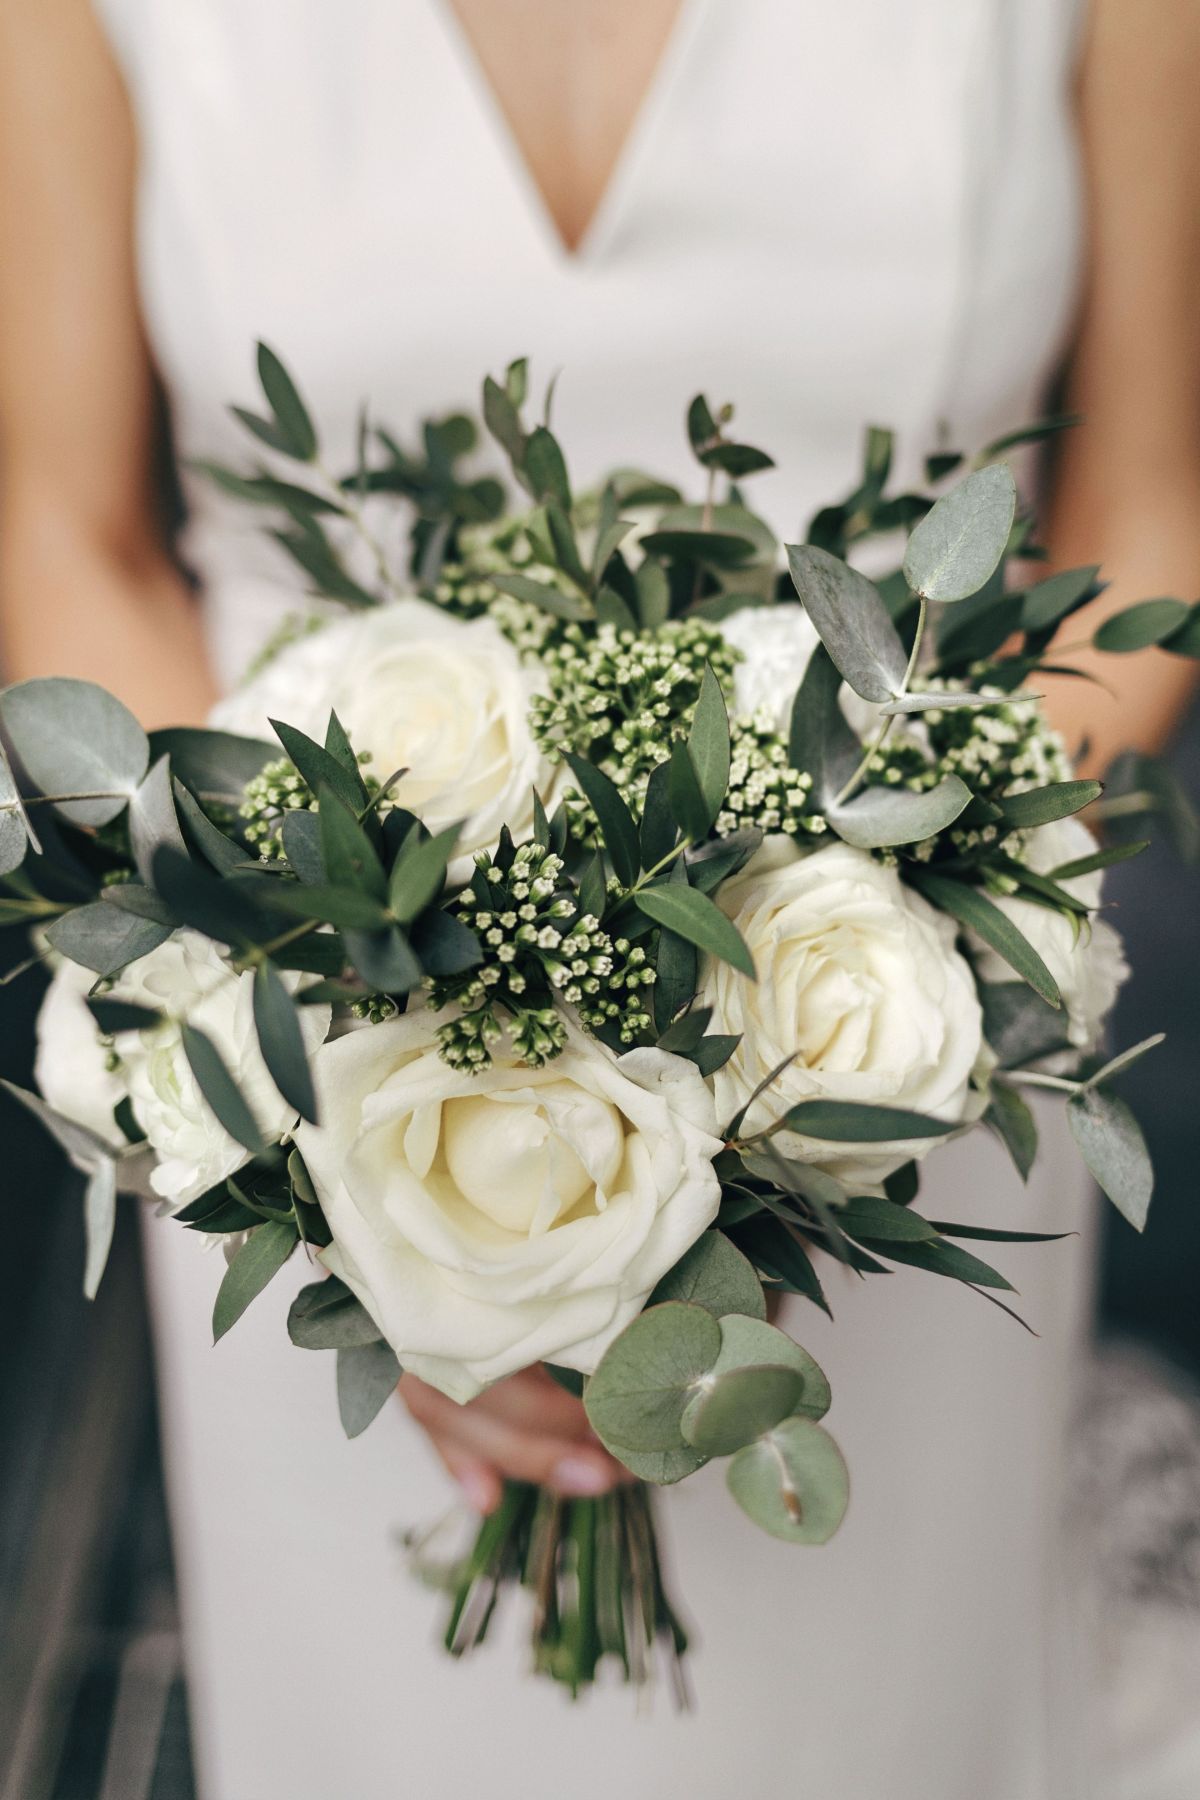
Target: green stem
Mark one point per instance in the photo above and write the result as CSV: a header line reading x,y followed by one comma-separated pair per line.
x,y
881,736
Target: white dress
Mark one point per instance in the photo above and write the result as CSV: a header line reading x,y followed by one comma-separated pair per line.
x,y
832,215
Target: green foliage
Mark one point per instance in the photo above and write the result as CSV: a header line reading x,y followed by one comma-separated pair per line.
x,y
793,1482
955,548
366,1378
1111,1144
261,1256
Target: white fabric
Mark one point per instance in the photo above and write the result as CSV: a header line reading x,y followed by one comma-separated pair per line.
x,y
831,214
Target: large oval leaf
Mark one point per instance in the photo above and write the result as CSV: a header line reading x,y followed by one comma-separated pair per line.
x,y
734,1408
793,1482
959,542
647,1375
1114,1149
714,1274
883,816
76,738
852,621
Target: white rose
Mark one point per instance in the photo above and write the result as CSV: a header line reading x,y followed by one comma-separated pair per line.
x,y
187,978
1088,966
776,644
860,978
445,698
489,1221
71,1067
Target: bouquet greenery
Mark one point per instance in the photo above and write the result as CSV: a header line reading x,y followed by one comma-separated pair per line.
x,y
574,932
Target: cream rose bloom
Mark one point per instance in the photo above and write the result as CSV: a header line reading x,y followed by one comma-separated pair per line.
x,y
489,1221
186,977
71,1066
859,977
448,699
1089,965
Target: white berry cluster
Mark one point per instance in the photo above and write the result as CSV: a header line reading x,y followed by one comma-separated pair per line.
x,y
466,586
764,789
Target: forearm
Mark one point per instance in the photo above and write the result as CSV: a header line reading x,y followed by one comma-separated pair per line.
x,y
1144,531
118,614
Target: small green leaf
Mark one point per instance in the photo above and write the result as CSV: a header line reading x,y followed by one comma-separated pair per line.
x,y
260,1257
658,834
1014,1125
696,918
219,1088
325,1315
957,545
350,858
688,804
793,1482
852,621
386,959
540,593
1051,600
301,833
419,873
282,1043
713,1274
153,820
215,765
873,1216
645,1378
1040,806
291,414
974,909
857,1122
940,1258
820,742
544,468
708,744
366,1378
653,595
613,816
1111,1144
1126,1059
1019,1025
320,768
1138,627
732,1409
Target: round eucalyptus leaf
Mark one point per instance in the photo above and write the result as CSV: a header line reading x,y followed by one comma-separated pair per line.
x,y
13,840
714,1274
959,542
793,1482
647,1374
852,620
731,1410
662,1467
748,1342
75,738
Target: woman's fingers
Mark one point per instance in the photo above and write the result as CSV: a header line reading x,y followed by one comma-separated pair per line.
x,y
507,1432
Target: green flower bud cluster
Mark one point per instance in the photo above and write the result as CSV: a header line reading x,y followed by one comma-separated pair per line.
x,y
540,953
375,1009
620,696
278,789
764,789
466,586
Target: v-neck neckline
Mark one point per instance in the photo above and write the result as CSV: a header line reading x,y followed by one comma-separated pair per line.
x,y
621,180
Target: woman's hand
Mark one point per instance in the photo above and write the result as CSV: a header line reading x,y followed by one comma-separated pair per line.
x,y
526,1427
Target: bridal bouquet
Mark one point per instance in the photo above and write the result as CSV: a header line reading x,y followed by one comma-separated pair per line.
x,y
576,931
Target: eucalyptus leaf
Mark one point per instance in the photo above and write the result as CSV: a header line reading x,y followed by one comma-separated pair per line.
x,y
1040,806
153,820
301,833
419,873
708,744
658,833
874,1216
1019,1025
820,742
215,765
540,594
935,702
957,545
732,1409
84,1146
262,1255
688,804
879,817
99,1218
104,937
1051,600
940,1258
75,738
1118,1064
351,859
1111,1144
714,1274
325,1315
793,1482
746,1342
224,855
320,768
366,1378
852,622
662,1467
544,468
646,1376
859,1122
385,959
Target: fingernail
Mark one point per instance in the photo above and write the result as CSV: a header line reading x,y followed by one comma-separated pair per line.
x,y
478,1489
576,1475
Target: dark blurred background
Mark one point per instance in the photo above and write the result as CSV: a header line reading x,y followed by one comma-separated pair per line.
x,y
92,1704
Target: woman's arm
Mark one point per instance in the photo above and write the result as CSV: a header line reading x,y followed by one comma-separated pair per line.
x,y
1127,487
87,587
